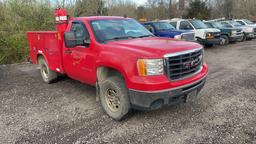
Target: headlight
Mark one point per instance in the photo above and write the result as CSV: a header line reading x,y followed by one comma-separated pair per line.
x,y
150,67
178,37
209,35
233,32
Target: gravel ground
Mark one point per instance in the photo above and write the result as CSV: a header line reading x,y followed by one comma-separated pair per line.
x,y
66,112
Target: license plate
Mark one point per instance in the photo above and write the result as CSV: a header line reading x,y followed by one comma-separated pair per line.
x,y
191,96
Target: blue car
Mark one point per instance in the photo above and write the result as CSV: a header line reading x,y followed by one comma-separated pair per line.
x,y
164,29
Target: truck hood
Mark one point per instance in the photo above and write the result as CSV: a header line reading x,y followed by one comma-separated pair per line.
x,y
209,30
252,25
229,29
173,32
153,47
247,29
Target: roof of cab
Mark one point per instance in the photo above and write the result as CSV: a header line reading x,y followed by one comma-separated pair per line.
x,y
91,18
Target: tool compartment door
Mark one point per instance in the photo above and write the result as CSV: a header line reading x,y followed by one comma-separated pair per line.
x,y
48,44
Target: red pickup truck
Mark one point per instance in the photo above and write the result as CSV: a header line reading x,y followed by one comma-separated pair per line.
x,y
130,67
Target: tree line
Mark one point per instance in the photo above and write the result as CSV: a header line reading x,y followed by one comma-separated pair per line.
x,y
19,16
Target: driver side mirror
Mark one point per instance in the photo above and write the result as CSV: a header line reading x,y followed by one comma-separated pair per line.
x,y
72,40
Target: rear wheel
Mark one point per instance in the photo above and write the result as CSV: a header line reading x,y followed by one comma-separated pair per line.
x,y
114,97
48,75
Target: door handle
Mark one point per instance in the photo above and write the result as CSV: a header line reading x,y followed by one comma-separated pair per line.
x,y
68,51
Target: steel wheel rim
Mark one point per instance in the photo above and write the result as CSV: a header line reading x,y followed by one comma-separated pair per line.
x,y
223,41
113,100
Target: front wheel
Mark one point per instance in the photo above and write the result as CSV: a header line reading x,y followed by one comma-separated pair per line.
x,y
224,40
114,97
244,38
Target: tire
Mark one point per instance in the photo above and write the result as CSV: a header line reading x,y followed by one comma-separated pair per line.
x,y
48,75
244,38
226,40
114,87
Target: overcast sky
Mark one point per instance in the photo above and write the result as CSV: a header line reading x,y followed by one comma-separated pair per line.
x,y
140,2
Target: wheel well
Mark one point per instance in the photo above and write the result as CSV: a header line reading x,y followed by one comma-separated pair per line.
x,y
38,57
105,72
225,35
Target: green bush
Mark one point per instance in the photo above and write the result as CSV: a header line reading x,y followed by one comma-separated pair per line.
x,y
17,17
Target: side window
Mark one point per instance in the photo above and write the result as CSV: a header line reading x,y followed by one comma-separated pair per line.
x,y
150,28
242,23
81,33
80,30
174,24
185,25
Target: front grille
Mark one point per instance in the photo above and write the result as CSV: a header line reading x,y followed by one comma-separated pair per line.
x,y
188,36
181,65
216,35
239,32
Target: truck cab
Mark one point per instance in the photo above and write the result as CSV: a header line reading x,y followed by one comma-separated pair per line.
x,y
227,34
249,31
204,35
164,29
245,22
128,65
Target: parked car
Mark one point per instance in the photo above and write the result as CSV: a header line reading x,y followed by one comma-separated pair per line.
x,y
247,30
163,29
227,34
246,22
204,35
129,67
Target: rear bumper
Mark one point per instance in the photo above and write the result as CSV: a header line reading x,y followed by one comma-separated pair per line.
x,y
144,100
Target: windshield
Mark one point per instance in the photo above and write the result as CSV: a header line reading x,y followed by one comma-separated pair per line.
x,y
235,23
198,24
248,21
216,24
118,29
226,24
163,26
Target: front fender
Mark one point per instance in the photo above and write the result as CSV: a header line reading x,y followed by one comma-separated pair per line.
x,y
124,64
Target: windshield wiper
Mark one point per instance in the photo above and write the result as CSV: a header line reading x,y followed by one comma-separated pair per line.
x,y
121,37
145,36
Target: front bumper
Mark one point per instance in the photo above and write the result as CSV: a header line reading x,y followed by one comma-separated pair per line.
x,y
144,100
250,35
236,38
214,41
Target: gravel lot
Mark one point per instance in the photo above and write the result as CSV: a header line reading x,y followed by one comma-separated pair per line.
x,y
66,112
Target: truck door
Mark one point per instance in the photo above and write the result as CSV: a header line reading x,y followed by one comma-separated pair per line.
x,y
78,60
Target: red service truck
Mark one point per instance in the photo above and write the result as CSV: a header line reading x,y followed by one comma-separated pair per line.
x,y
128,65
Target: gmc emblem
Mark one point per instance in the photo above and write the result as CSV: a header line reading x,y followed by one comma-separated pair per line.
x,y
192,62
